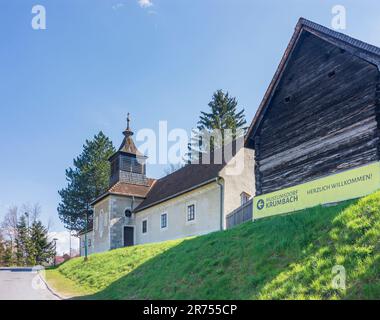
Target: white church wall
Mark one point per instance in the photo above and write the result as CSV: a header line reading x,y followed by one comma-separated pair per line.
x,y
101,226
206,200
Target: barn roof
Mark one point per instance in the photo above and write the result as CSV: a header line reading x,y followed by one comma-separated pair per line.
x,y
356,47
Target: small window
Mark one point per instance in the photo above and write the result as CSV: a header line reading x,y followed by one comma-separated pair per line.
x,y
164,220
244,197
145,226
128,213
191,212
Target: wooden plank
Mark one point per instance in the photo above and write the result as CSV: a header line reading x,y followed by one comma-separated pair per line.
x,y
330,123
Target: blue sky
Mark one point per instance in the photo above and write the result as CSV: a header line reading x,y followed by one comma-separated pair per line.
x,y
99,59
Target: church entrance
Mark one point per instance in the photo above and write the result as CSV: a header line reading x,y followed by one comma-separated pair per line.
x,y
128,236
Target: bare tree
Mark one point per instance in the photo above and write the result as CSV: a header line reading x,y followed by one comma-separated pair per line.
x,y
50,224
32,211
2,240
9,223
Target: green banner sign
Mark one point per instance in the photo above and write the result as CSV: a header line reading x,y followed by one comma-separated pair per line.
x,y
346,185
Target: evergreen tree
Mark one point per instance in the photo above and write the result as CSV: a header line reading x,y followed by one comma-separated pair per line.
x,y
22,242
42,250
2,250
6,254
223,115
86,181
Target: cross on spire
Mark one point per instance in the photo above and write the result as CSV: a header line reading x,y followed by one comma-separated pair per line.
x,y
128,145
128,121
128,132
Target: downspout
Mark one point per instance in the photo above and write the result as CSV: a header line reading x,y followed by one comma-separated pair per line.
x,y
221,205
133,218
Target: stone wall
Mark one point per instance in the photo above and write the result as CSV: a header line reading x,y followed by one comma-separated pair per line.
x,y
118,205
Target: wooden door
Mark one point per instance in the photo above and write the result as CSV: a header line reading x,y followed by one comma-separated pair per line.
x,y
128,236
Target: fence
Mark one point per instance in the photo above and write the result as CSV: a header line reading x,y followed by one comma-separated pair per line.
x,y
240,215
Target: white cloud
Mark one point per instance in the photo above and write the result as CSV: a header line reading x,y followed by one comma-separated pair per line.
x,y
118,6
63,242
152,12
145,3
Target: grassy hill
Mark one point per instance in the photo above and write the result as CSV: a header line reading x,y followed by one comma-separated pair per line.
x,y
283,257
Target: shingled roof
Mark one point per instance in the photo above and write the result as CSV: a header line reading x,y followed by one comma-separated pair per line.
x,y
189,177
128,146
181,181
126,189
356,47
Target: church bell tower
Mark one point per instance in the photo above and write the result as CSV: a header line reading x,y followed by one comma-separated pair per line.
x,y
128,165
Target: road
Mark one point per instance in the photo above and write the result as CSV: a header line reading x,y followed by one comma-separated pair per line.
x,y
23,284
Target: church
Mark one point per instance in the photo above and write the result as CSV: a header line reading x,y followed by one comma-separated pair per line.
x,y
191,201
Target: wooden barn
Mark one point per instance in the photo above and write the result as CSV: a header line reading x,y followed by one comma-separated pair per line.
x,y
320,114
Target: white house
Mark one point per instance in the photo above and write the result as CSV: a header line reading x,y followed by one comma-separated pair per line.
x,y
191,201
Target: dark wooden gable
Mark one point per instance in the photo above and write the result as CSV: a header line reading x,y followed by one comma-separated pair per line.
x,y
321,117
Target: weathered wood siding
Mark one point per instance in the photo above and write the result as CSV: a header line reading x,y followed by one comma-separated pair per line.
x,y
128,168
322,118
240,215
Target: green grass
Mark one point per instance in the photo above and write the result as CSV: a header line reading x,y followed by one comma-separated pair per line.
x,y
282,257
65,287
